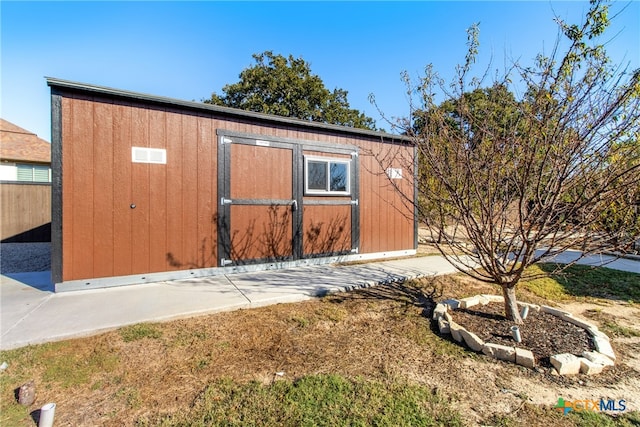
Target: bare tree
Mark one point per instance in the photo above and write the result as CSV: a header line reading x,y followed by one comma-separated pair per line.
x,y
505,181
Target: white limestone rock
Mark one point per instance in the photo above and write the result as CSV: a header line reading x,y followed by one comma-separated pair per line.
x,y
482,300
578,322
590,368
455,329
493,298
469,302
439,311
472,340
453,304
501,352
525,358
566,363
554,311
603,346
443,326
598,358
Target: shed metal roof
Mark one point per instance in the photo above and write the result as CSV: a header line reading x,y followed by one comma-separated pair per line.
x,y
56,83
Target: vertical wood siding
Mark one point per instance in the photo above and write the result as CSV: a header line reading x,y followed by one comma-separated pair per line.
x,y
326,229
261,172
123,218
122,191
25,212
173,225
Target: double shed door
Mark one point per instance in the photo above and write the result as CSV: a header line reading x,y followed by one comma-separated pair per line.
x,y
270,205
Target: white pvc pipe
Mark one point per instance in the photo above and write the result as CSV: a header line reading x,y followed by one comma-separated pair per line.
x,y
47,412
525,312
515,331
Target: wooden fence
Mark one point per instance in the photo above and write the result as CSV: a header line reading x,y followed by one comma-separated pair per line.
x,y
25,212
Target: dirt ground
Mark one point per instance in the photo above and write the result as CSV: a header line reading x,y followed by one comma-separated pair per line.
x,y
382,333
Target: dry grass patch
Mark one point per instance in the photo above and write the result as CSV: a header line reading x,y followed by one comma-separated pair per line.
x,y
377,337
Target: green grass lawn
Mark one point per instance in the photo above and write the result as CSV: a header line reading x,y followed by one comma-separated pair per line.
x,y
583,281
317,400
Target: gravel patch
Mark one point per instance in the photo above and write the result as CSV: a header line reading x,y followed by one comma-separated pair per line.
x,y
25,257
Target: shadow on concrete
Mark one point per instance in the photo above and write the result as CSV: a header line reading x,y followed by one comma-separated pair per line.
x,y
422,293
40,280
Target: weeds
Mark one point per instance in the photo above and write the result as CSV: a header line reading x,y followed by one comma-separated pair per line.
x,y
612,328
140,331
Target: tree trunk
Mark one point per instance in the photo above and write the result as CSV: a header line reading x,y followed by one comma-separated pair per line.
x,y
511,305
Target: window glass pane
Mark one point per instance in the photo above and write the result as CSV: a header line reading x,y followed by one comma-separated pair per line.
x,y
338,177
41,173
25,173
316,175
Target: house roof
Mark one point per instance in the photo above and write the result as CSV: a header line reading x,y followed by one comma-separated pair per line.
x,y
55,83
18,144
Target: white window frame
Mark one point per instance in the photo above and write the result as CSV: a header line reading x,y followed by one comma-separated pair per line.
x,y
328,161
31,170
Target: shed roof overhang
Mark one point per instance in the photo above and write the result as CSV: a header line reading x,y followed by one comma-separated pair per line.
x,y
70,86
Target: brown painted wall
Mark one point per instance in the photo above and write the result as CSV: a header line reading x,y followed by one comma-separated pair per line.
x,y
173,224
386,218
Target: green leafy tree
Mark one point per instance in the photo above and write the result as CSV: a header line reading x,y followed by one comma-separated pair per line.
x,y
286,87
505,182
622,217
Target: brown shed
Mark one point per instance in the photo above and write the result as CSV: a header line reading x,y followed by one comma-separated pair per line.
x,y
147,188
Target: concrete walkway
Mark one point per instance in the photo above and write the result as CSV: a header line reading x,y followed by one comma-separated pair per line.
x,y
31,313
631,265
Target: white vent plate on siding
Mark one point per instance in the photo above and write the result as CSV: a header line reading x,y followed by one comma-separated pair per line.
x,y
394,173
149,155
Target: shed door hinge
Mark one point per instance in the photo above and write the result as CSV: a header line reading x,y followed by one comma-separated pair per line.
x,y
225,262
224,201
355,250
354,202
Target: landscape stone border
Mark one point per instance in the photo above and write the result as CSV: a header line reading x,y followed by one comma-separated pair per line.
x,y
590,362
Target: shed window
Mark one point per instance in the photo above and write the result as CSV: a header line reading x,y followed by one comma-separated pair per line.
x,y
33,173
326,176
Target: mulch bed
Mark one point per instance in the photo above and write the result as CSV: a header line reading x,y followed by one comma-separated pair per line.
x,y
542,333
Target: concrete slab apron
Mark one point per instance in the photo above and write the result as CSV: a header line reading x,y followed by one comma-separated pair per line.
x,y
303,283
298,284
80,313
24,300
31,316
424,266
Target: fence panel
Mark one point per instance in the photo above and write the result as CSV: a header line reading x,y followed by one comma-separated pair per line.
x,y
25,212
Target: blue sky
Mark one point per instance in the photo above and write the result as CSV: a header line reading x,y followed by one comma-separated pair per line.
x,y
187,50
